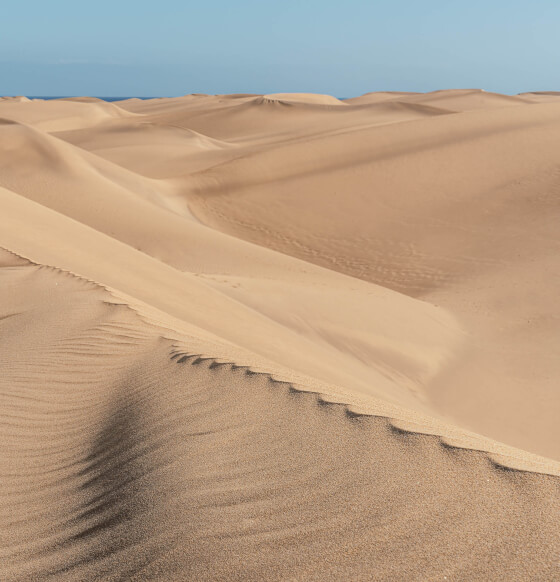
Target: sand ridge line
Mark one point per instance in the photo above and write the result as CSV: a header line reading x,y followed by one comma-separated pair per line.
x,y
498,454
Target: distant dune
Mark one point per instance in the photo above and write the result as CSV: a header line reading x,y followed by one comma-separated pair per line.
x,y
310,98
280,337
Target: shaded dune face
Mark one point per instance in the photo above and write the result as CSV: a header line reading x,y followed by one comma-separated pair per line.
x,y
161,464
280,337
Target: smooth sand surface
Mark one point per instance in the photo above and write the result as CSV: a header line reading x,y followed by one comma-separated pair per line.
x,y
280,337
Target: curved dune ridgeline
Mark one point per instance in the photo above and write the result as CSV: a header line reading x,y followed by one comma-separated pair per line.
x,y
280,337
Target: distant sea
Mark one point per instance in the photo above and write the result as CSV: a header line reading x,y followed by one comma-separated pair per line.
x,y
108,98
68,96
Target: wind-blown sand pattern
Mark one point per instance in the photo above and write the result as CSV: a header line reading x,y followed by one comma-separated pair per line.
x,y
280,337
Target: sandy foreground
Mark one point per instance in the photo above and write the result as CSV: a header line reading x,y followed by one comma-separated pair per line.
x,y
280,337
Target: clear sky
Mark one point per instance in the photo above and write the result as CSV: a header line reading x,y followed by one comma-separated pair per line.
x,y
341,47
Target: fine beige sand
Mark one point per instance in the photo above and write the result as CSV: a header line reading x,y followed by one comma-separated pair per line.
x,y
280,337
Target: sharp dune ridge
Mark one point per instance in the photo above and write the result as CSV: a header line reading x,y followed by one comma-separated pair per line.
x,y
498,453
280,337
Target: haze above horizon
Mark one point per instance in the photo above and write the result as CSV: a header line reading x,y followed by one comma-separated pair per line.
x,y
174,48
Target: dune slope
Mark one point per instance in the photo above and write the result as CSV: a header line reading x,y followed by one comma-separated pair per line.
x,y
460,210
279,337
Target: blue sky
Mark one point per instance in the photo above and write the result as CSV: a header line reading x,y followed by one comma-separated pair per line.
x,y
172,47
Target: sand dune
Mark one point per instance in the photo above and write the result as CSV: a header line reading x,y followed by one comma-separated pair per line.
x,y
460,212
377,97
151,149
450,100
465,100
541,96
310,98
252,121
60,115
280,337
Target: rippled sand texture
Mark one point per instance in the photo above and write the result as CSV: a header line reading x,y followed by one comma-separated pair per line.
x,y
280,337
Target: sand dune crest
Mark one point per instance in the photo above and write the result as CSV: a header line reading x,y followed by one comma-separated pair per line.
x,y
280,337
